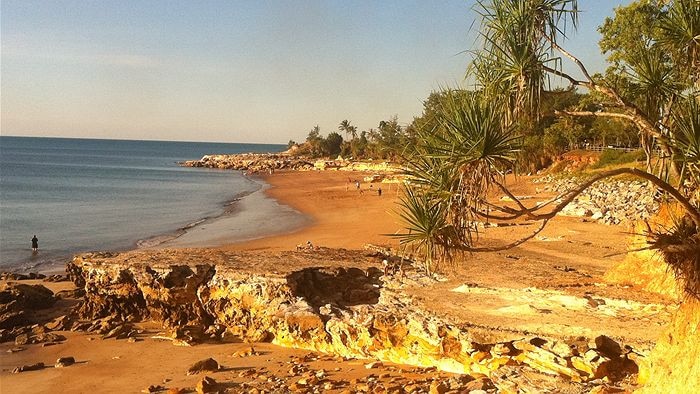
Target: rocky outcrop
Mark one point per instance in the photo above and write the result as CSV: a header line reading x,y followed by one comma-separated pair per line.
x,y
252,162
267,162
609,202
341,310
18,306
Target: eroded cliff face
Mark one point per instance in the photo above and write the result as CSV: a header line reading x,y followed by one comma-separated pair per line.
x,y
342,310
674,364
645,269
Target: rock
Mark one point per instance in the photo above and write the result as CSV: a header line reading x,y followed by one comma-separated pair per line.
x,y
208,364
373,365
607,346
438,387
119,332
477,384
544,361
592,363
19,301
154,388
47,337
64,362
207,385
30,367
59,323
249,351
27,296
22,339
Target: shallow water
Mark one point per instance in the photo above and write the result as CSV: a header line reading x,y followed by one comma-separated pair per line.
x,y
80,194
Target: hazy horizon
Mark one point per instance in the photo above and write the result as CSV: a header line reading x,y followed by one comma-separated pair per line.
x,y
244,72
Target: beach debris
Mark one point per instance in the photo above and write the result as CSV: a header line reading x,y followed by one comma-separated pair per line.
x,y
374,364
16,349
29,367
176,390
208,364
207,385
64,362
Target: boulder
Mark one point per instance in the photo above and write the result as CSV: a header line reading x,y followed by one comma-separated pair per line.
x,y
207,385
208,364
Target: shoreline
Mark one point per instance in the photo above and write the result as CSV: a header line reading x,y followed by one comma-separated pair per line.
x,y
238,222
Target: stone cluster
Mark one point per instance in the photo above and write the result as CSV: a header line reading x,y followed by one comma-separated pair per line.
x,y
338,311
609,202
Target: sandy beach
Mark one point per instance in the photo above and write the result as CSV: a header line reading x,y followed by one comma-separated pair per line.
x,y
341,216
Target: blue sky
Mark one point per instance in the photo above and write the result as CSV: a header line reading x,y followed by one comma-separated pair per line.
x,y
234,71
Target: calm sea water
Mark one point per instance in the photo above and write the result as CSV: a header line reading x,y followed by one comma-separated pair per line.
x,y
80,194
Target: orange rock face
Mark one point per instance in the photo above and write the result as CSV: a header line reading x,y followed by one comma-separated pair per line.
x,y
674,364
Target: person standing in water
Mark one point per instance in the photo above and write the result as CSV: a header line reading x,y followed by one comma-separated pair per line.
x,y
35,243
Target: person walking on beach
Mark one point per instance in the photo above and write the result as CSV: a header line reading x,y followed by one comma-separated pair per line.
x,y
379,191
35,243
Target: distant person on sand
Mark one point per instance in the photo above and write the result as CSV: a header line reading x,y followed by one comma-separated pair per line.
x,y
379,191
357,185
35,243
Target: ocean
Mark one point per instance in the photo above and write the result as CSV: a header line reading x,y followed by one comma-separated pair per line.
x,y
81,195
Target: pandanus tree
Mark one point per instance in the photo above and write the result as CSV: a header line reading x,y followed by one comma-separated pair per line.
x,y
470,147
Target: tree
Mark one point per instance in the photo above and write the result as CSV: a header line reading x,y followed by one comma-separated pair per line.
x,y
349,130
331,145
457,163
315,140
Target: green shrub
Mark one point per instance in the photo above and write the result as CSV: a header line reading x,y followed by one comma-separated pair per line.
x,y
616,157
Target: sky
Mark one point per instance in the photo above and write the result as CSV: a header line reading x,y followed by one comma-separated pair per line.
x,y
235,71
